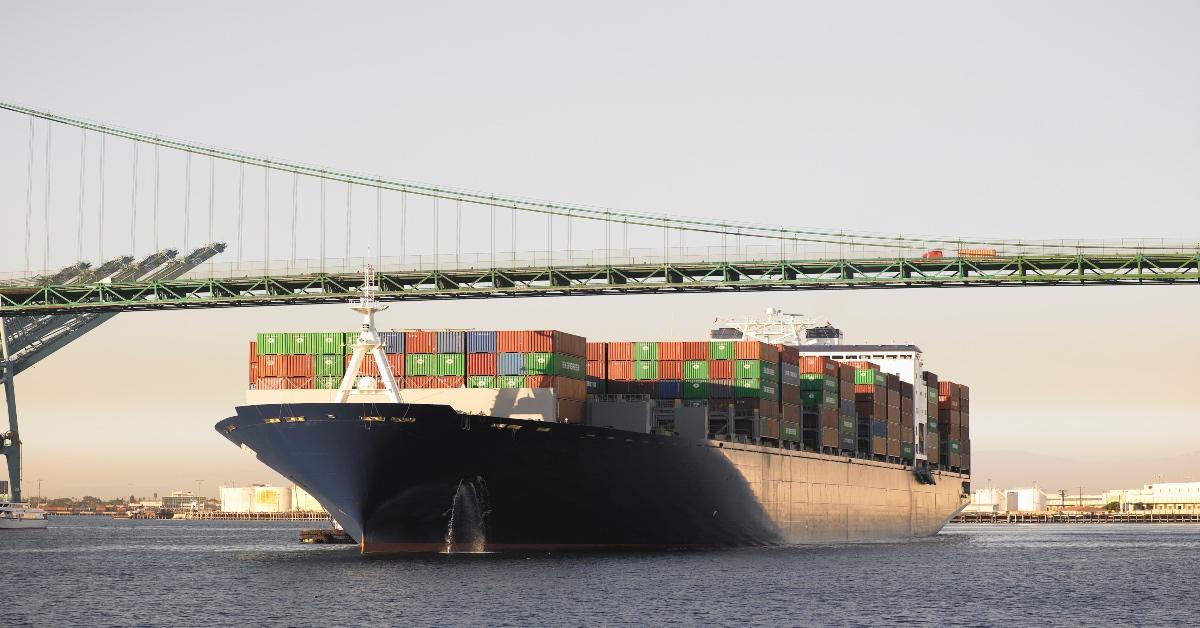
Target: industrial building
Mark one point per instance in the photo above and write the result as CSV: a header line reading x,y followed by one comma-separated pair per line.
x,y
182,500
1181,498
1163,498
264,499
995,500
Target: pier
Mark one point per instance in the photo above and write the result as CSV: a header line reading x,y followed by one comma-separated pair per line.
x,y
1091,517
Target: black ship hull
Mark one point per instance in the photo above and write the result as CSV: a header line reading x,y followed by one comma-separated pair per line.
x,y
423,478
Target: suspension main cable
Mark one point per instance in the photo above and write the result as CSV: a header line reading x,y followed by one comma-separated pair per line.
x,y
82,188
133,199
100,229
29,200
46,208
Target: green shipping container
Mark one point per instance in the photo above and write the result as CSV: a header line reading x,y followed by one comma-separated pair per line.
x,y
695,369
269,343
330,342
720,350
756,369
830,385
815,377
789,431
482,381
812,384
539,363
450,364
645,369
810,399
512,381
645,350
906,451
570,366
327,382
325,365
350,338
848,425
695,390
870,377
955,447
931,425
420,364
754,389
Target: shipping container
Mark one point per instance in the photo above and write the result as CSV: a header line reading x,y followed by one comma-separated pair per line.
x,y
758,388
283,383
510,363
768,427
283,366
597,369
669,389
720,350
552,341
564,387
419,364
696,369
269,343
326,382
420,342
695,351
789,431
327,365
451,342
571,411
645,351
670,369
789,374
393,342
620,370
511,381
596,386
619,351
481,342
695,389
481,363
509,342
755,350
596,352
670,351
368,368
645,369
450,364
720,369
720,388
830,438
481,381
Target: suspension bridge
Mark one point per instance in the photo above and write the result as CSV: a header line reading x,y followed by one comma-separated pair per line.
x,y
116,220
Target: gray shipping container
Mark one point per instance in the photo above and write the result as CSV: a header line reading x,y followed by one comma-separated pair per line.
x,y
481,342
510,364
393,341
450,342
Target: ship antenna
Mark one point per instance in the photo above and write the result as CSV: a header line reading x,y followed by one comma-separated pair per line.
x,y
368,343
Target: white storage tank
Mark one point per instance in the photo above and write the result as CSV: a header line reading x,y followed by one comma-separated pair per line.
x,y
272,499
236,498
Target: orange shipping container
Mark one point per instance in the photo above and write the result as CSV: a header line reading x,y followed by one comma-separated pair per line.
x,y
720,369
283,383
420,342
551,341
670,351
670,369
620,351
754,350
595,368
368,368
285,366
595,351
253,361
695,351
508,342
818,364
481,364
419,381
449,381
621,370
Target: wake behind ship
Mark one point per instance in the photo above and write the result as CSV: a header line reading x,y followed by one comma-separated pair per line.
x,y
497,441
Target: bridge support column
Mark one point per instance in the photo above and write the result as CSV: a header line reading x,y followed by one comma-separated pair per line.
x,y
10,444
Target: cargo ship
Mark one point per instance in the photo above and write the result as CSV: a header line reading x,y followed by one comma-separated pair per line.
x,y
465,440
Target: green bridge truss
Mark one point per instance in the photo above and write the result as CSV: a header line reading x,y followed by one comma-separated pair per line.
x,y
1058,270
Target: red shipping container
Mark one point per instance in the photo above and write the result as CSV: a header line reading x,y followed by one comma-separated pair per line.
x,y
788,354
720,369
420,342
620,370
754,350
481,364
283,383
449,381
695,351
419,381
863,364
768,428
791,412
368,368
670,369
253,361
552,341
620,351
285,366
596,368
670,351
596,351
564,387
506,342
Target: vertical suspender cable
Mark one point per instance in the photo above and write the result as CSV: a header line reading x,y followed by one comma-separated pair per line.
x,y
570,219
458,234
512,232
155,209
625,239
349,222
100,230
322,180
212,188
82,188
549,239
437,240
29,198
492,239
403,225
46,207
187,200
295,212
379,227
133,205
266,217
607,237
241,216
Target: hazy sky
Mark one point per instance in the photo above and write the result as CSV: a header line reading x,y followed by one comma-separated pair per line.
x,y
989,120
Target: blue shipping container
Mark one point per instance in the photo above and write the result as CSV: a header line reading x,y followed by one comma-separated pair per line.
x,y
450,342
670,389
393,341
510,364
481,342
847,409
879,428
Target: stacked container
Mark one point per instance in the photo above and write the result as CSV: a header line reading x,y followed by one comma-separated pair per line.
x,y
893,414
870,401
790,408
820,379
848,432
953,425
932,439
907,450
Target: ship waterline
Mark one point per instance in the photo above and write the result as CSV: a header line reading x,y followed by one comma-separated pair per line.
x,y
424,478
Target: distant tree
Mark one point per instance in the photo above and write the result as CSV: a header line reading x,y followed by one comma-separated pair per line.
x,y
1112,506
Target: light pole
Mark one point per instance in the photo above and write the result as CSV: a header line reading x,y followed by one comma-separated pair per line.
x,y
199,499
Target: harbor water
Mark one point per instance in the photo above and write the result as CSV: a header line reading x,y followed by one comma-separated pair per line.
x,y
92,571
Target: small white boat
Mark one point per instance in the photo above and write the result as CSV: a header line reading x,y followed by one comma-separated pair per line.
x,y
18,516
